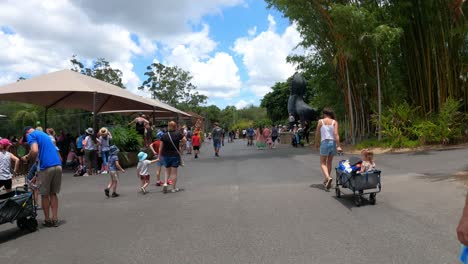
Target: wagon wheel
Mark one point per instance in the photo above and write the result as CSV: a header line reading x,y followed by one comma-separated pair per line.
x,y
31,224
357,200
372,198
21,223
337,192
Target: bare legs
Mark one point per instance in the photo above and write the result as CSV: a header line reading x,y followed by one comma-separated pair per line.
x,y
172,174
50,202
326,166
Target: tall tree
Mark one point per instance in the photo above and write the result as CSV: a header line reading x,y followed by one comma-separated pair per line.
x,y
172,85
100,69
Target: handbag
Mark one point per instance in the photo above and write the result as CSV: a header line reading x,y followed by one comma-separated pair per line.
x,y
177,149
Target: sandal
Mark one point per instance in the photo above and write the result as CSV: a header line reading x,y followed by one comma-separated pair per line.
x,y
47,223
329,183
55,223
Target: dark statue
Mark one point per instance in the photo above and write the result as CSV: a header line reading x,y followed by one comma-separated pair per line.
x,y
296,106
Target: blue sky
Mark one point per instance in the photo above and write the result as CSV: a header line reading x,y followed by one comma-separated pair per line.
x,y
235,49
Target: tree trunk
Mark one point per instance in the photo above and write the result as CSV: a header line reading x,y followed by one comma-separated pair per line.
x,y
379,95
351,115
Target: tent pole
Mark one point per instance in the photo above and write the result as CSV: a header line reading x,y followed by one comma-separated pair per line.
x,y
154,116
94,113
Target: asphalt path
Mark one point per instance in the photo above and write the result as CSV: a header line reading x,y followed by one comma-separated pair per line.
x,y
255,206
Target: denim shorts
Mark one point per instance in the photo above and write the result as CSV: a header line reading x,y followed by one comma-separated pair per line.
x,y
161,160
171,162
217,143
328,148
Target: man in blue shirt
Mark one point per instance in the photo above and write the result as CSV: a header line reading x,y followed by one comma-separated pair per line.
x,y
50,174
250,136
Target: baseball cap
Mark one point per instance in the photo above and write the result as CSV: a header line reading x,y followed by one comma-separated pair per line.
x,y
26,129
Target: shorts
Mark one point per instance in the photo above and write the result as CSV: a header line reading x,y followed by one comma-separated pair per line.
x,y
217,143
189,144
51,180
114,176
196,147
251,137
79,152
171,162
328,148
161,160
144,177
6,183
274,139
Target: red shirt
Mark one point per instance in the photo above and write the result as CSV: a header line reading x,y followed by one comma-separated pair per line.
x,y
196,141
156,145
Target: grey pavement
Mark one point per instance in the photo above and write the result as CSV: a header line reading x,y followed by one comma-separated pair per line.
x,y
255,206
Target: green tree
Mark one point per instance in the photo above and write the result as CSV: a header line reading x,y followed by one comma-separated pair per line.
x,y
172,85
100,70
276,102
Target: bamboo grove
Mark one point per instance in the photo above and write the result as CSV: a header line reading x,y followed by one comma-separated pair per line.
x,y
381,52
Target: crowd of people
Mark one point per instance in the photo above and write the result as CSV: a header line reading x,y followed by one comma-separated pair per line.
x,y
92,153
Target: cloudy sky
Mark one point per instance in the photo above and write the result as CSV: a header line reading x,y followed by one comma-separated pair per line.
x,y
234,49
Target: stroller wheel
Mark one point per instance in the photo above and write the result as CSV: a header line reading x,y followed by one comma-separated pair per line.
x,y
372,198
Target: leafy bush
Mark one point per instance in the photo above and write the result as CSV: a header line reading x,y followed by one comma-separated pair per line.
x,y
401,126
126,139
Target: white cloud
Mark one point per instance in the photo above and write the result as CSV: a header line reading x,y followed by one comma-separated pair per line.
x,y
252,31
46,33
243,104
215,76
154,18
264,56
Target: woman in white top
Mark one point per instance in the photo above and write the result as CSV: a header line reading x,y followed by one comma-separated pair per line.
x,y
327,132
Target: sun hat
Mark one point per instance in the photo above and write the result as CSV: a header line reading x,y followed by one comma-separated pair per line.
x,y
103,130
113,150
5,142
142,156
90,130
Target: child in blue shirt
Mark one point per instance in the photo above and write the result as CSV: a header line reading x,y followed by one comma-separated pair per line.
x,y
114,165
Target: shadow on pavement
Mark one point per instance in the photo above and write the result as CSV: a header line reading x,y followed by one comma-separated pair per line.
x,y
319,186
12,234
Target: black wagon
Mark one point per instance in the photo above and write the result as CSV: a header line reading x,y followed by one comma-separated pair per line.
x,y
19,206
360,184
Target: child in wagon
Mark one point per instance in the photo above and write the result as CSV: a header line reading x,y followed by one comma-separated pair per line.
x,y
368,163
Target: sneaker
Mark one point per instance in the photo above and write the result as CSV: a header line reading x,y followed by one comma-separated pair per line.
x,y
159,183
106,191
165,188
104,172
169,182
175,190
143,191
216,154
115,195
86,175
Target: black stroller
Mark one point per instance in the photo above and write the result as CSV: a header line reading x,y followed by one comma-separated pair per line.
x,y
367,183
19,205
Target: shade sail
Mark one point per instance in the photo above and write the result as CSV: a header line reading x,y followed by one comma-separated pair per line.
x,y
158,115
69,89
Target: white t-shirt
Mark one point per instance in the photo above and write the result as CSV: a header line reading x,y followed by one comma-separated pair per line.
x,y
89,143
143,167
5,165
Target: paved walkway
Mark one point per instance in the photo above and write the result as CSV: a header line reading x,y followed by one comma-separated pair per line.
x,y
253,206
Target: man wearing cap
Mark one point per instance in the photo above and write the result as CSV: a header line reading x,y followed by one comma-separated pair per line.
x,y
50,174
